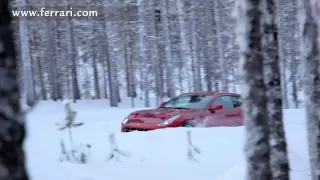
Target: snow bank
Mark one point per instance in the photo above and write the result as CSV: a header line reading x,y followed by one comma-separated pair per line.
x,y
160,154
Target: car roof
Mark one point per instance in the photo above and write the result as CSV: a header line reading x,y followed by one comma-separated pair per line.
x,y
211,93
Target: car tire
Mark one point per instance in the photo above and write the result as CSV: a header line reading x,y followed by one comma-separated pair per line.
x,y
189,123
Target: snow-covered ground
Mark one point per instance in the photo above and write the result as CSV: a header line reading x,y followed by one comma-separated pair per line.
x,y
157,155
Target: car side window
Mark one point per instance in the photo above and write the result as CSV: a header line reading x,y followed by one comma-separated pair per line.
x,y
236,101
225,101
181,101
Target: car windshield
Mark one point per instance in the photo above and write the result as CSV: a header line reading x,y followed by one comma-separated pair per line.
x,y
192,101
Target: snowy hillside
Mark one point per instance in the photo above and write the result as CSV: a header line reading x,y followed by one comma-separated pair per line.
x,y
160,154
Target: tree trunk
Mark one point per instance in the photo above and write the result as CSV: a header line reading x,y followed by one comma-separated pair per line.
x,y
111,67
12,128
278,147
72,54
126,64
51,60
253,89
96,77
75,84
222,70
195,58
37,57
294,90
212,62
143,50
29,90
160,63
156,63
43,89
184,44
104,77
311,78
168,49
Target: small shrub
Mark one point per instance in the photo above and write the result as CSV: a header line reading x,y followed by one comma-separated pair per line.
x,y
74,154
115,152
192,149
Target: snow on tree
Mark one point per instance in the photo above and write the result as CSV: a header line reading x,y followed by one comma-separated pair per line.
x,y
257,153
12,128
310,13
278,146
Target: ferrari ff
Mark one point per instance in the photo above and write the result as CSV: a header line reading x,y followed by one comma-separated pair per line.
x,y
197,109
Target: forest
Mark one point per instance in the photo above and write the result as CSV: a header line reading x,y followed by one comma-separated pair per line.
x,y
142,49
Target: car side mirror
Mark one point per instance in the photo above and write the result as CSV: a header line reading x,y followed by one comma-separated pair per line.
x,y
216,107
162,103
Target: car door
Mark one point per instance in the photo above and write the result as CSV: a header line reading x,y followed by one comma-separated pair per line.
x,y
227,116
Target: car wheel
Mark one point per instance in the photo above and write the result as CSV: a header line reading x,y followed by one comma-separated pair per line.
x,y
189,123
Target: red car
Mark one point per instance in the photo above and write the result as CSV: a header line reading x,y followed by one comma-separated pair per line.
x,y
198,109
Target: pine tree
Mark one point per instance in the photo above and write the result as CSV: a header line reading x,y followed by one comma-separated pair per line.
x,y
278,146
253,89
311,78
12,128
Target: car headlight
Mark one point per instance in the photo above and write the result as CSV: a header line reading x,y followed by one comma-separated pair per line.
x,y
168,121
125,120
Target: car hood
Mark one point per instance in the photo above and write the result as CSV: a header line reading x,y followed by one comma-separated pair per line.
x,y
159,114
